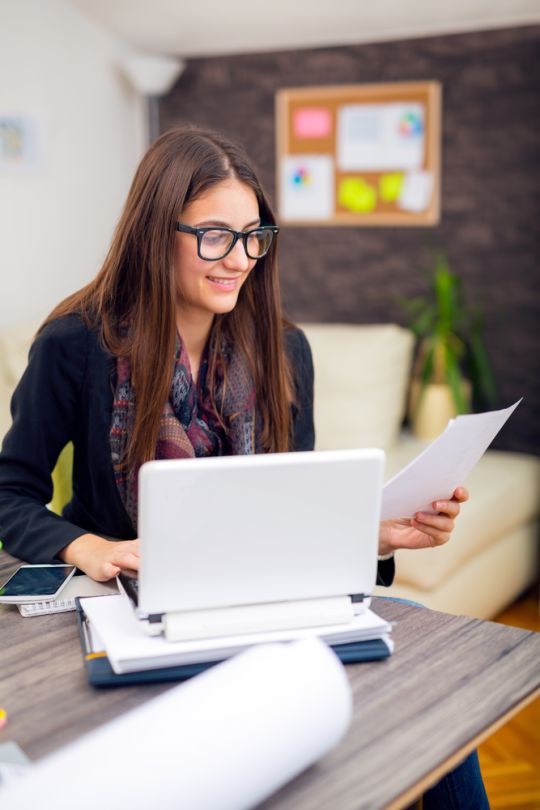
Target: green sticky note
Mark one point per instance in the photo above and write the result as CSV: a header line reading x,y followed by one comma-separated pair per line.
x,y
1,545
357,195
390,186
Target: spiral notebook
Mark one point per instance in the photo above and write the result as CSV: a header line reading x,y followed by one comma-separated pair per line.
x,y
79,585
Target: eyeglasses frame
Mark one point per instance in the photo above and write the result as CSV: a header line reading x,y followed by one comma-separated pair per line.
x,y
243,235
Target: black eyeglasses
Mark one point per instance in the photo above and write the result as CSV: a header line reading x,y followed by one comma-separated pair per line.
x,y
216,243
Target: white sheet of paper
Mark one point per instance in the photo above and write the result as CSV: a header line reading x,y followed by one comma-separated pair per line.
x,y
227,739
14,764
380,137
443,465
307,187
130,649
416,192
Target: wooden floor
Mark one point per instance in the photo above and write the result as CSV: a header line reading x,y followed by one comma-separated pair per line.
x,y
510,758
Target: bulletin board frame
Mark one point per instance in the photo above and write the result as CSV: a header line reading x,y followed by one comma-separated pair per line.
x,y
384,212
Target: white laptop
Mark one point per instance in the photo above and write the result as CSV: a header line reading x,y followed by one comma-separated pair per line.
x,y
277,540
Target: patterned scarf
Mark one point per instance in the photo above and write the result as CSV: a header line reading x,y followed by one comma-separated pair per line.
x,y
189,425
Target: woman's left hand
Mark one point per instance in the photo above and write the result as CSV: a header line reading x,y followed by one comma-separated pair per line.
x,y
423,530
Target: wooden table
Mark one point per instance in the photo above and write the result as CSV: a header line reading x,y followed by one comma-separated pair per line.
x,y
451,682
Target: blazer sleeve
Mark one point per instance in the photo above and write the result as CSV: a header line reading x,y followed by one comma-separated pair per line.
x,y
299,352
303,427
386,570
44,410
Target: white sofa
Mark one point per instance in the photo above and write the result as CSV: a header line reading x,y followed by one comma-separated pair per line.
x,y
361,380
361,383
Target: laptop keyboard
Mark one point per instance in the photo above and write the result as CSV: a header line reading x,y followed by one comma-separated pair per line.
x,y
131,587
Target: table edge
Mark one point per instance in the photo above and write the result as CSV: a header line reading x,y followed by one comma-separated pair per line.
x,y
415,791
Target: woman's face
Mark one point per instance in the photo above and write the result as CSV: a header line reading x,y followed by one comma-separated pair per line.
x,y
211,287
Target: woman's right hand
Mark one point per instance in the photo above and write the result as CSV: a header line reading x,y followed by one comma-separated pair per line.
x,y
101,559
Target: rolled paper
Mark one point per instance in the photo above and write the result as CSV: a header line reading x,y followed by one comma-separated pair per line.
x,y
228,738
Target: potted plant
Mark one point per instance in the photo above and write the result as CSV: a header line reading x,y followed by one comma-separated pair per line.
x,y
451,370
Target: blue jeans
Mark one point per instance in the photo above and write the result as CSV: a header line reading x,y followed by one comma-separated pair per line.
x,y
461,789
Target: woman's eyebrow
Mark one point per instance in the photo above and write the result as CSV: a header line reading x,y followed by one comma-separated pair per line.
x,y
218,223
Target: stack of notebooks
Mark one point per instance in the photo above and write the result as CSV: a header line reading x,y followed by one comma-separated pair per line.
x,y
118,651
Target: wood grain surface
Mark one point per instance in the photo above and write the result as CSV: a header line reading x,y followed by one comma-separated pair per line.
x,y
510,758
450,679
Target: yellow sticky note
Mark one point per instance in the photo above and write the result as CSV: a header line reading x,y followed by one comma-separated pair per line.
x,y
357,195
390,186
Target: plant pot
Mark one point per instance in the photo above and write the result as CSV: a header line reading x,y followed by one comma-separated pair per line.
x,y
429,414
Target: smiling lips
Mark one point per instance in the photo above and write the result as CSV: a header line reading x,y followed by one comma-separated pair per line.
x,y
224,283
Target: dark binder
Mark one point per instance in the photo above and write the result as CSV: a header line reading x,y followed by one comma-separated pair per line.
x,y
100,673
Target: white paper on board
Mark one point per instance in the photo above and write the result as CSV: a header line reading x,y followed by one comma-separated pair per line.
x,y
443,465
416,191
22,143
307,187
380,137
227,739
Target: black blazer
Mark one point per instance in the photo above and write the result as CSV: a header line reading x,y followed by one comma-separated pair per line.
x,y
66,394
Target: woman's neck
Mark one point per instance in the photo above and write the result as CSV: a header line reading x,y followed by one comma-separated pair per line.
x,y
194,329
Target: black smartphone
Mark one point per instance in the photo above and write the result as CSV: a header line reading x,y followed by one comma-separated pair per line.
x,y
36,583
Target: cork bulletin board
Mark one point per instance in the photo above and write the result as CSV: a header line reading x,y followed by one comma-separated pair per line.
x,y
366,154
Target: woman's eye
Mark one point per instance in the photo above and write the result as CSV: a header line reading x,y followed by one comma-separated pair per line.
x,y
217,237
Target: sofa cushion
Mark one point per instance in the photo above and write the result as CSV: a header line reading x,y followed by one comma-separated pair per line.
x,y
487,583
504,495
14,345
5,415
361,379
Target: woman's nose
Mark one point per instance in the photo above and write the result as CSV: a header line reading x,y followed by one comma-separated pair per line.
x,y
237,259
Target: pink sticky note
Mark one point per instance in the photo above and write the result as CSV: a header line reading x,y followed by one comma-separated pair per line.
x,y
312,122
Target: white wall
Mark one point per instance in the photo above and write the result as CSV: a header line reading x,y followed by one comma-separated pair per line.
x,y
56,223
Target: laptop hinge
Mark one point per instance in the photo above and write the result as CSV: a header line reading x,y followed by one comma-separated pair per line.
x,y
259,618
359,597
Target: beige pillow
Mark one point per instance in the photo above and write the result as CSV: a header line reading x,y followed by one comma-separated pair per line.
x,y
361,380
14,345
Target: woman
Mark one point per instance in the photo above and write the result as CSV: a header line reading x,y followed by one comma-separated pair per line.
x,y
178,348
186,312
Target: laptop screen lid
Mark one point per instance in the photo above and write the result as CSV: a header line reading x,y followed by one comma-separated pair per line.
x,y
240,530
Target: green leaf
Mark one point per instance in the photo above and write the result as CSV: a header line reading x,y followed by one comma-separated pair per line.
x,y
455,381
426,372
483,379
424,323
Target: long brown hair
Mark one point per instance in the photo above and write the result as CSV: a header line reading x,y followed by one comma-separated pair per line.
x,y
136,286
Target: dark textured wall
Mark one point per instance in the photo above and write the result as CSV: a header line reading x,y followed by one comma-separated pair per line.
x,y
490,179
